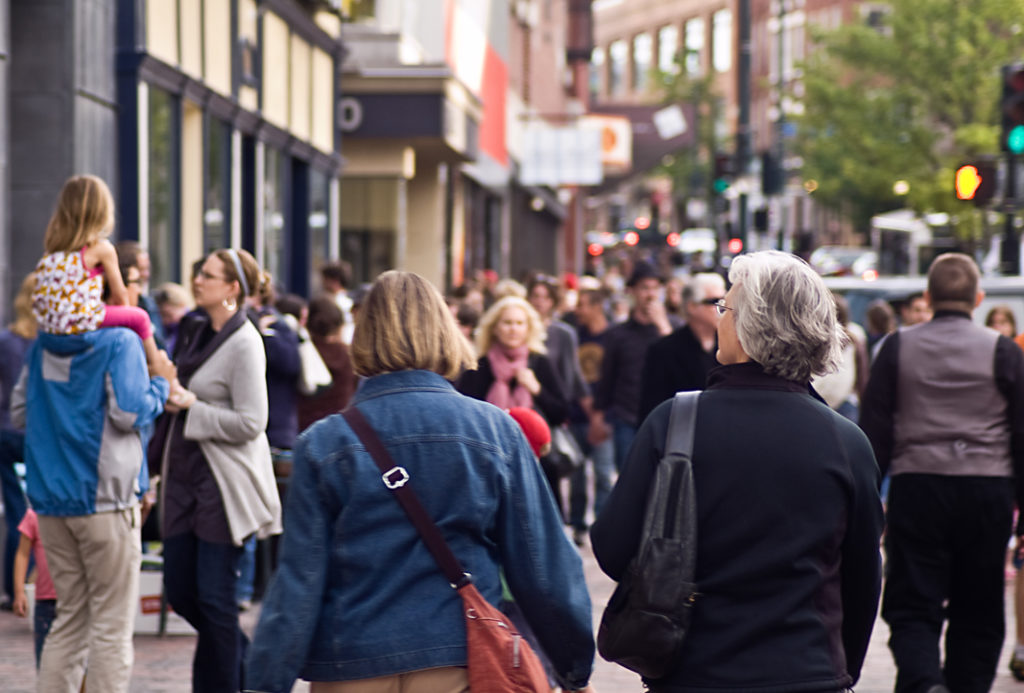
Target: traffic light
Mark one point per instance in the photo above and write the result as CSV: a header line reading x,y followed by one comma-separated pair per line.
x,y
1012,107
773,181
761,219
976,182
723,173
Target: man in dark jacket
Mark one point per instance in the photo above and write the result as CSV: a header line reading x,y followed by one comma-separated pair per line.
x,y
681,361
944,410
617,395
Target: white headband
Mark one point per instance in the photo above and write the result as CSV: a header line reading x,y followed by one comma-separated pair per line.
x,y
238,268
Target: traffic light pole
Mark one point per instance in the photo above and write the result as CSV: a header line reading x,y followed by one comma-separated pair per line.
x,y
1010,249
743,125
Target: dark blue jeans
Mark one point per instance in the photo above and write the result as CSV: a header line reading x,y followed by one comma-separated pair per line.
x,y
622,436
12,448
42,618
602,456
200,579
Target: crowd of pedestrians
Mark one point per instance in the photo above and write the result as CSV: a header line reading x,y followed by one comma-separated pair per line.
x,y
216,404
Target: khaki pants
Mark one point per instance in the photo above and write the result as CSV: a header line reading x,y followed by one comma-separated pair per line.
x,y
94,561
441,680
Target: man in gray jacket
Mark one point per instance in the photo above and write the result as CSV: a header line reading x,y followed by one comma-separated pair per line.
x,y
944,410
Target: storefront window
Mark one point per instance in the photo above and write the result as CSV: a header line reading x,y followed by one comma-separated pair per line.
x,y
163,148
217,186
319,218
274,260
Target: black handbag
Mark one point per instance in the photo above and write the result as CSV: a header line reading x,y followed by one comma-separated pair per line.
x,y
565,456
648,615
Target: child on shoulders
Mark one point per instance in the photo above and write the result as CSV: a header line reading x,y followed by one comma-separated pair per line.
x,y
68,298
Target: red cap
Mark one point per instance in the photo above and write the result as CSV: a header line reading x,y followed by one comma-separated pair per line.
x,y
535,428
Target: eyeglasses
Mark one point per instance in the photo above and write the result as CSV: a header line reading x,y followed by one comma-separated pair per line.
x,y
206,275
719,305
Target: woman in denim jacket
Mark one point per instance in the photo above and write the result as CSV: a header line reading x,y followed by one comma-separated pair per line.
x,y
357,595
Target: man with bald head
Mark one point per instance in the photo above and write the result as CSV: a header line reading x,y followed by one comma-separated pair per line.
x,y
944,410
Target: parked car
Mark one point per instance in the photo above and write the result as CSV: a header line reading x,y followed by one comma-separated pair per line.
x,y
843,261
860,293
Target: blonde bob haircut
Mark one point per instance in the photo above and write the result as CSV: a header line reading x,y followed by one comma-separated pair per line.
x,y
535,335
404,325
84,213
785,316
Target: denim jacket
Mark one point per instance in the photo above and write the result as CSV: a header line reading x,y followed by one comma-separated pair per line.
x,y
358,595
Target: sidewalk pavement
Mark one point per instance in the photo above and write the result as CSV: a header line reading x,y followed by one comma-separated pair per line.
x,y
163,664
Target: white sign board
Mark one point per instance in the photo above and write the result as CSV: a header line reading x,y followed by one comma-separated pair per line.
x,y
555,156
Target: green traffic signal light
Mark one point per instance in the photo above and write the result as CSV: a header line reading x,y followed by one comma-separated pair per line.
x,y
1015,140
720,185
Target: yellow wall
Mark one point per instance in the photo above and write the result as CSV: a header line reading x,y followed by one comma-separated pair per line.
x,y
275,70
217,45
191,37
322,86
191,186
329,22
299,98
425,242
162,30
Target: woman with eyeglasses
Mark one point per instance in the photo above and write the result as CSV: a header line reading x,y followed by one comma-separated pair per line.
x,y
218,483
788,513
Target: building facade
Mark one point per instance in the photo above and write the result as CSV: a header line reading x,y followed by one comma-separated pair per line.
x,y
440,94
703,38
213,121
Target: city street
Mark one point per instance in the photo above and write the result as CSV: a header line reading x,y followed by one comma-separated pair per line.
x,y
162,664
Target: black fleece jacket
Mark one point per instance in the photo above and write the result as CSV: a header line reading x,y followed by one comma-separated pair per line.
x,y
789,521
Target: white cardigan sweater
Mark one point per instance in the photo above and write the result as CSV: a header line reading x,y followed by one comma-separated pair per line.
x,y
228,420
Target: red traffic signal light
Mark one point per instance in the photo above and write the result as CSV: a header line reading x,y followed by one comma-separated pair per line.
x,y
975,181
672,239
595,249
631,238
735,246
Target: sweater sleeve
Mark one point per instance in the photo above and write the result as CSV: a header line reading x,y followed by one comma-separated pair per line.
x,y
543,570
861,566
1009,370
551,400
246,418
615,535
879,406
293,600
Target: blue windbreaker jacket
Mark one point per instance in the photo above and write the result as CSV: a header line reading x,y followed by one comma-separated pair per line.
x,y
84,400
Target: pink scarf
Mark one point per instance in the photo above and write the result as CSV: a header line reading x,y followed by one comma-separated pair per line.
x,y
505,363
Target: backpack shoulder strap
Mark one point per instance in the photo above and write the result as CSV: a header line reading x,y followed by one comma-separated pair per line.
x,y
681,424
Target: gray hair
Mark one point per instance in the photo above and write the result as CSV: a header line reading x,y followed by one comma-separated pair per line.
x,y
696,290
785,317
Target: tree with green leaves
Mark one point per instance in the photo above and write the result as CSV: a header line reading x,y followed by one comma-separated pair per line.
x,y
908,99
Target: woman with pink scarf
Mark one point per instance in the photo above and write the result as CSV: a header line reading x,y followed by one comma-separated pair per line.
x,y
513,369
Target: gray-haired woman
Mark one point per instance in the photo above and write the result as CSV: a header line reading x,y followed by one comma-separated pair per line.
x,y
789,517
